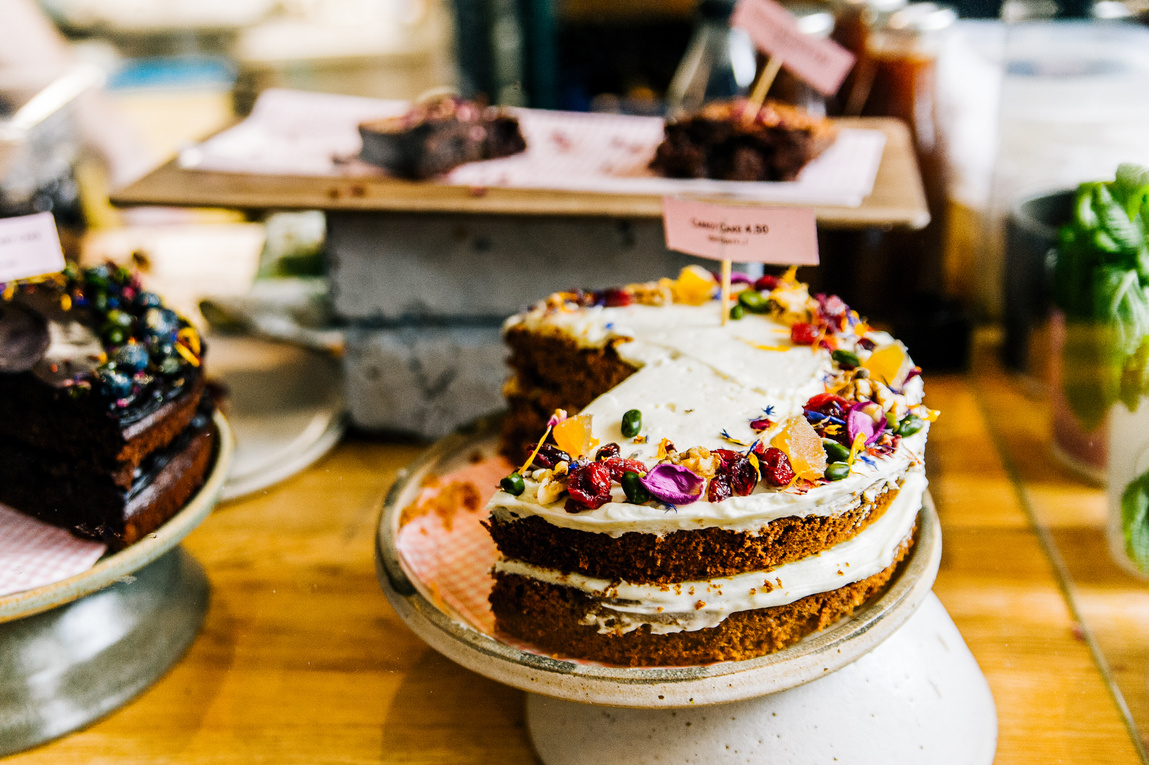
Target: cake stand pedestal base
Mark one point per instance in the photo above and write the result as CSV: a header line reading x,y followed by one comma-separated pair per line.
x,y
67,667
917,697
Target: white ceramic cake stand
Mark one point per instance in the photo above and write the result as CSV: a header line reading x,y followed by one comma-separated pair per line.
x,y
895,683
73,651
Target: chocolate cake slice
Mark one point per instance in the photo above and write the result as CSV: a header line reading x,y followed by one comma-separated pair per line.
x,y
104,426
719,142
438,135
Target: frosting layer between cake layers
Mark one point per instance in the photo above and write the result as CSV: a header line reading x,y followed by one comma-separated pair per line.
x,y
702,604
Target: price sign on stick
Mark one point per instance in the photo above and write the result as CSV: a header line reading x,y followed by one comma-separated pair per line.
x,y
779,235
821,63
29,246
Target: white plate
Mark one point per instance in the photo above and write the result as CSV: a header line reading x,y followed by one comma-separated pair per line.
x,y
285,406
124,563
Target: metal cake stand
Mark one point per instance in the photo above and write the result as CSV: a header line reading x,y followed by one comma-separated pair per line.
x,y
75,650
893,683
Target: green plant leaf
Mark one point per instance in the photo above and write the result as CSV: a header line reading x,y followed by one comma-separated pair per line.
x,y
1135,521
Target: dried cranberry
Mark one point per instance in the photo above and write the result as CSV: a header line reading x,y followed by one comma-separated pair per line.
x,y
803,334
589,487
737,471
719,488
776,467
867,344
606,451
726,455
832,305
766,282
743,476
761,424
549,455
617,466
827,403
616,298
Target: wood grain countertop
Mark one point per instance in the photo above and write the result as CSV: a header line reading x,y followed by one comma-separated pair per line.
x,y
302,660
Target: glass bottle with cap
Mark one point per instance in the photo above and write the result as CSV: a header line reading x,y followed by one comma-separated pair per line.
x,y
719,61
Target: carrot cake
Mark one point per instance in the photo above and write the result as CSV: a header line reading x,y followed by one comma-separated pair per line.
x,y
694,491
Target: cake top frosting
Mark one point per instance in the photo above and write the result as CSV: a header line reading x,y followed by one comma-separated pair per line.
x,y
95,332
794,406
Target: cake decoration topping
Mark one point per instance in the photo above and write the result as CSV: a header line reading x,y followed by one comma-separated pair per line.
x,y
776,468
513,484
107,335
694,286
836,471
589,487
673,484
631,423
803,447
632,486
573,436
24,338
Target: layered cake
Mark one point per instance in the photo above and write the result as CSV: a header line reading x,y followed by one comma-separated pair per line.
x,y
693,491
439,134
104,425
727,140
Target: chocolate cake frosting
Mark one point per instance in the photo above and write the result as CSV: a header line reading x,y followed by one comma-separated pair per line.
x,y
104,425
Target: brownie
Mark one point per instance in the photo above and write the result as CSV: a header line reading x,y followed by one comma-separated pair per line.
x,y
718,142
438,135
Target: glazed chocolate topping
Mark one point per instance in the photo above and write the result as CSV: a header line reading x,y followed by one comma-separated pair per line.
x,y
23,338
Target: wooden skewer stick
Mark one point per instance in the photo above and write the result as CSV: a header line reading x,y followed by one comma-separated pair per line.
x,y
725,292
758,95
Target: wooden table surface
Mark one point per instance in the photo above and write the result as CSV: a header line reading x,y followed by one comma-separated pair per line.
x,y
898,198
302,660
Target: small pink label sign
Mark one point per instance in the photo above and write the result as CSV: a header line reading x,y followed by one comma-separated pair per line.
x,y
29,246
779,235
821,63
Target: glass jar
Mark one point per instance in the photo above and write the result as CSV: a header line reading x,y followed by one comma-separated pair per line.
x,y
852,20
899,79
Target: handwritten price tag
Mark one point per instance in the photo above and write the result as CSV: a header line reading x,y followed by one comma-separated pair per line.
x,y
822,63
29,246
779,235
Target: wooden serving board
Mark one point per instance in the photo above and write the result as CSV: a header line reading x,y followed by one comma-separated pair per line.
x,y
898,198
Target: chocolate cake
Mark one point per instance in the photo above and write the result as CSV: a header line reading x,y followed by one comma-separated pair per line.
x,y
704,492
104,425
438,135
720,142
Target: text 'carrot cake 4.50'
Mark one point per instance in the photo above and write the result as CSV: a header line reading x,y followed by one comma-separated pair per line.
x,y
694,491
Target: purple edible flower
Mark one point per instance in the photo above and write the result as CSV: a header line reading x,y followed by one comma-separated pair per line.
x,y
673,484
857,421
738,278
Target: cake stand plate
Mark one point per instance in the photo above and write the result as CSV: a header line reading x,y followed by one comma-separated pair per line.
x,y
73,651
899,683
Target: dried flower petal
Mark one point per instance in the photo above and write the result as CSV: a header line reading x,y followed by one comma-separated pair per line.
x,y
673,484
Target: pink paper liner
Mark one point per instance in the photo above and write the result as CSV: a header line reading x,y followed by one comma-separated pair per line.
x,y
453,564
34,554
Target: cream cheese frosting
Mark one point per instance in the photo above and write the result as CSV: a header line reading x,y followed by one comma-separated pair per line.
x,y
700,383
689,606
